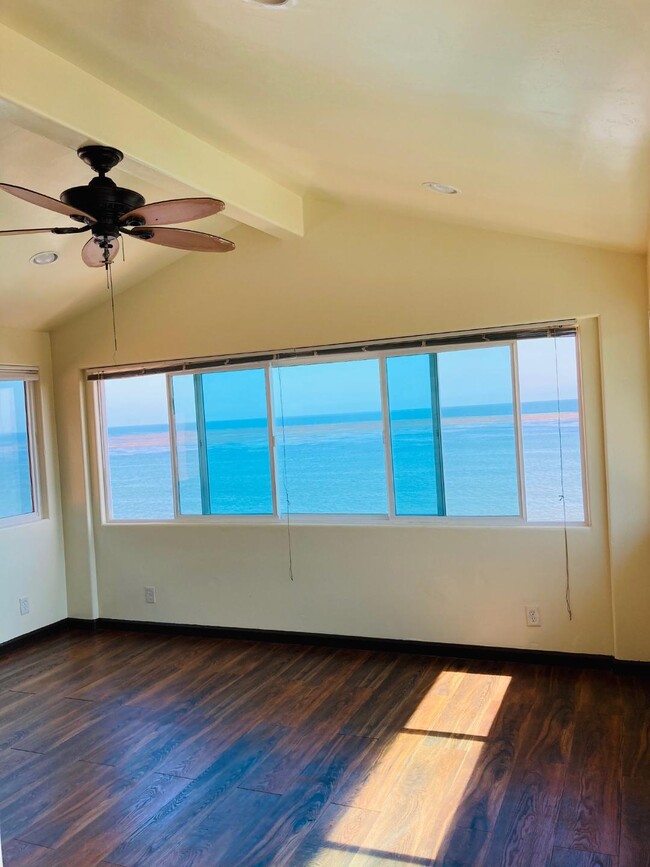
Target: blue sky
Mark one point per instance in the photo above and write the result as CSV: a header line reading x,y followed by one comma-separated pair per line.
x,y
467,377
12,408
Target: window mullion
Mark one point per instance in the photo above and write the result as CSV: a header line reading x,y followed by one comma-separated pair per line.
x,y
516,402
270,415
581,432
173,445
388,448
32,450
105,451
202,444
436,418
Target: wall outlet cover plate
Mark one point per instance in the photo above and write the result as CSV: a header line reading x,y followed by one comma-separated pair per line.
x,y
533,615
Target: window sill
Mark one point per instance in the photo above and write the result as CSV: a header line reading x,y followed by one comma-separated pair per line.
x,y
347,522
19,520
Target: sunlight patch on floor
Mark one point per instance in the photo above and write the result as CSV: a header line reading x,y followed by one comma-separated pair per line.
x,y
407,799
460,703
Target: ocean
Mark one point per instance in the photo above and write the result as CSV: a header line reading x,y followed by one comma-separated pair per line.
x,y
15,479
335,464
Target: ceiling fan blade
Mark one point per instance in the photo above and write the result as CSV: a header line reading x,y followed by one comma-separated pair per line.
x,y
93,255
183,239
24,231
44,201
175,211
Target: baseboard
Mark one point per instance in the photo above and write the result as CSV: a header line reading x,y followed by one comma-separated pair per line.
x,y
353,642
28,637
390,645
82,623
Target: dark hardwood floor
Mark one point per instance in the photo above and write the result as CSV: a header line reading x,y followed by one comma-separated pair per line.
x,y
125,749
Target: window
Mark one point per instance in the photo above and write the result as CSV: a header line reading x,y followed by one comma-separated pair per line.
x,y
222,443
138,446
552,449
453,433
470,430
329,431
18,490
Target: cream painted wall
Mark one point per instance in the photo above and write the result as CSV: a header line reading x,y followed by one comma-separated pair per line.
x,y
361,274
31,555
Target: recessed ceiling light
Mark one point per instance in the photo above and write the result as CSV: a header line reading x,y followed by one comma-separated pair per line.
x,y
436,187
273,2
44,258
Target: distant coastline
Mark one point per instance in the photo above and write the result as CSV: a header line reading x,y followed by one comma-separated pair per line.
x,y
157,436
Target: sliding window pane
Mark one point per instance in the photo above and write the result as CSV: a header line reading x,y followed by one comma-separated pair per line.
x,y
237,454
329,438
415,434
478,432
187,446
16,496
139,457
551,428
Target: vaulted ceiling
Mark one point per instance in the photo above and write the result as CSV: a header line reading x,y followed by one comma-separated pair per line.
x,y
539,112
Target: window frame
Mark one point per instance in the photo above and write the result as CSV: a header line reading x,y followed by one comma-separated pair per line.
x,y
31,382
390,519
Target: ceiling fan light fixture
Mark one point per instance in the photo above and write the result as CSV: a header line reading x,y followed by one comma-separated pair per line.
x,y
47,257
437,187
276,3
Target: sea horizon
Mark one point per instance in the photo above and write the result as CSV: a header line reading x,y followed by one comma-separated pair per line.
x,y
545,410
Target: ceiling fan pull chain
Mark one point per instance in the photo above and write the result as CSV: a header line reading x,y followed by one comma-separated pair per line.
x,y
109,286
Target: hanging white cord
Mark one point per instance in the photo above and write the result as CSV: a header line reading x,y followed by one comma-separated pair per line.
x,y
567,594
284,473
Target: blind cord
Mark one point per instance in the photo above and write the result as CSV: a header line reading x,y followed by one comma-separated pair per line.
x,y
284,473
567,592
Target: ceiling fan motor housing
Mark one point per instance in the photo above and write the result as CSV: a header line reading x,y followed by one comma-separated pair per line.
x,y
105,201
102,198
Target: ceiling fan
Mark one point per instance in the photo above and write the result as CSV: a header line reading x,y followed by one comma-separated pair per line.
x,y
108,211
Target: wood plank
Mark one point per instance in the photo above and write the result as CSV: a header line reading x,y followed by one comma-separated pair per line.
x,y
222,837
59,724
17,853
389,708
577,858
602,694
248,825
336,837
110,822
636,743
285,762
590,809
635,823
523,835
197,797
489,778
38,789
68,814
463,847
414,819
468,708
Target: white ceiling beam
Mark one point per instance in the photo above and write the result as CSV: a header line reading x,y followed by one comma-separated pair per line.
x,y
45,93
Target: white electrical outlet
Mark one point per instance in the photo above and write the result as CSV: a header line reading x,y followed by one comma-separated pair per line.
x,y
533,615
150,595
23,604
